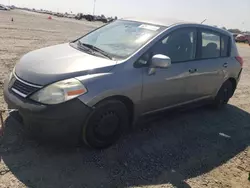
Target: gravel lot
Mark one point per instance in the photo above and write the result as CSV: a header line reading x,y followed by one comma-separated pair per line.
x,y
179,149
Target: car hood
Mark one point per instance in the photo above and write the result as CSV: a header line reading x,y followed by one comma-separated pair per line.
x,y
54,63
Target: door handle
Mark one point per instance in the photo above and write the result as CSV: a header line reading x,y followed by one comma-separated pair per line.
x,y
192,70
225,65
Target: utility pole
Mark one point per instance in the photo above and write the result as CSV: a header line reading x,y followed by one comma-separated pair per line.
x,y
94,8
243,24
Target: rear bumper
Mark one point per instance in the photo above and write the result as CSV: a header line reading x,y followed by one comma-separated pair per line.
x,y
49,121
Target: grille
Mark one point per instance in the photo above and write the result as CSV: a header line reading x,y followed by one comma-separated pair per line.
x,y
22,88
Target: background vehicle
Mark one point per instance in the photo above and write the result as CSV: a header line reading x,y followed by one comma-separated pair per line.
x,y
2,7
243,38
235,35
248,38
90,18
97,86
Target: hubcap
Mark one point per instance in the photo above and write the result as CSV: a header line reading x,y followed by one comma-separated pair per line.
x,y
107,125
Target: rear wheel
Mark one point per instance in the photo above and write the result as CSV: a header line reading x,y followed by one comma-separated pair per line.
x,y
106,124
223,95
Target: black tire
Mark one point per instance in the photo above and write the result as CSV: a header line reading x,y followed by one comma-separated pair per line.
x,y
16,116
223,95
111,114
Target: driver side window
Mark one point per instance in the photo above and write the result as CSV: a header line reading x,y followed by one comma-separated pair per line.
x,y
180,45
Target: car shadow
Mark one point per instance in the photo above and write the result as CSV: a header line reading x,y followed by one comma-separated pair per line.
x,y
170,148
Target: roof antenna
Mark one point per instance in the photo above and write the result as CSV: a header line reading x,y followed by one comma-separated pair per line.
x,y
203,21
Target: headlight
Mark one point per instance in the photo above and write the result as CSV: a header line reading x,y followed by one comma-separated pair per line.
x,y
59,92
10,76
11,73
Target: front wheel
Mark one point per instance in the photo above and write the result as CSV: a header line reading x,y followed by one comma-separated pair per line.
x,y
105,124
223,95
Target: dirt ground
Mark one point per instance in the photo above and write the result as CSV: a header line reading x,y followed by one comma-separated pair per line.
x,y
183,149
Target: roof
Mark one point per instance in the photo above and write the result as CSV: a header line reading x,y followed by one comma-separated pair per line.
x,y
171,21
157,21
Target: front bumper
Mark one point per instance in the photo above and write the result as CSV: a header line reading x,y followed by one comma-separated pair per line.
x,y
49,121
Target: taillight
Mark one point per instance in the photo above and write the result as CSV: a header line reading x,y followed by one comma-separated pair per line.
x,y
240,60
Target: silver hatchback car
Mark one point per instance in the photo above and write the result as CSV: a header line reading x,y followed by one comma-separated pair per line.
x,y
95,87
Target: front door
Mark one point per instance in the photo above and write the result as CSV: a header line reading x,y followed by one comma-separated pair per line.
x,y
167,87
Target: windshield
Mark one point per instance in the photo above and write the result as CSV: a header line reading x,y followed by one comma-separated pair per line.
x,y
121,38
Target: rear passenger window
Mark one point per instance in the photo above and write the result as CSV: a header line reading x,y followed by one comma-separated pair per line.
x,y
210,45
224,46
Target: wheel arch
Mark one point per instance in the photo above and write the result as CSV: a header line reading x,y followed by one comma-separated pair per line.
x,y
230,79
234,83
126,101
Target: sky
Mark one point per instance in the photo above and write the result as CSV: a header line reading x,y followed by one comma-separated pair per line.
x,y
227,13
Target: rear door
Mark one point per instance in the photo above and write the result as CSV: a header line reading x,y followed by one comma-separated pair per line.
x,y
206,73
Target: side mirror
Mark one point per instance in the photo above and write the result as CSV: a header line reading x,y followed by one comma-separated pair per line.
x,y
160,61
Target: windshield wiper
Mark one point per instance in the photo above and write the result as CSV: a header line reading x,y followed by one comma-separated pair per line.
x,y
80,44
94,48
